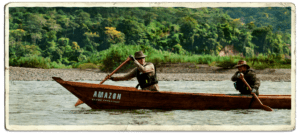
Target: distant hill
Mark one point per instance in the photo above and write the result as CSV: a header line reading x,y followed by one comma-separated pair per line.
x,y
278,17
73,34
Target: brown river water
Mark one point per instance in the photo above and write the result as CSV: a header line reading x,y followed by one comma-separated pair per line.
x,y
48,103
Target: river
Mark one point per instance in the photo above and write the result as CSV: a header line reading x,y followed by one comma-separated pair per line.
x,y
48,103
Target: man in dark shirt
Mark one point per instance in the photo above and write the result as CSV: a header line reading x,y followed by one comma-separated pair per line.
x,y
250,77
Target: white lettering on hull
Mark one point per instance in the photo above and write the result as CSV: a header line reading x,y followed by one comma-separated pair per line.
x,y
100,94
107,97
114,96
119,96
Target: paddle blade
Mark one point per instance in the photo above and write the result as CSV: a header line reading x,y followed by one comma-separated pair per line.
x,y
266,108
79,102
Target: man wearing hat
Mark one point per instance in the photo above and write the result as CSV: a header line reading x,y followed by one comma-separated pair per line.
x,y
250,77
145,73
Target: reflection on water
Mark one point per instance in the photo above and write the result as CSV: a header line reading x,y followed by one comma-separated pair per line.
x,y
247,111
116,111
48,103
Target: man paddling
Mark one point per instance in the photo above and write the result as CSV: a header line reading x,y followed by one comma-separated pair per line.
x,y
145,73
244,71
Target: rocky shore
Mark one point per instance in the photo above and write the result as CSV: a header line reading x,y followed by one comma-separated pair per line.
x,y
165,72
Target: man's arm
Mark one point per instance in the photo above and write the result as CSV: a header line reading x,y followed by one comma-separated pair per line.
x,y
234,77
254,80
144,69
127,76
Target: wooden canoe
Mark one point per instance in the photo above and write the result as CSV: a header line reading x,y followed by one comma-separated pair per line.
x,y
102,96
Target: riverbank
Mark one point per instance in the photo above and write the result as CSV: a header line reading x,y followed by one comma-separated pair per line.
x,y
165,72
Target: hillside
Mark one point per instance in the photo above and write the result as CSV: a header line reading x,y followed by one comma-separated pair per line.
x,y
70,35
279,18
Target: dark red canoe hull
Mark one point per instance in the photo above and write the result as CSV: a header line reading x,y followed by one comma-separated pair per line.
x,y
117,97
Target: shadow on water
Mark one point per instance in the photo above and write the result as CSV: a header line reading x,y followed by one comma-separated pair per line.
x,y
149,111
245,111
132,111
116,111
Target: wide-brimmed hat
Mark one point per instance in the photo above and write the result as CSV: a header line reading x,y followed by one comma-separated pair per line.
x,y
242,63
139,54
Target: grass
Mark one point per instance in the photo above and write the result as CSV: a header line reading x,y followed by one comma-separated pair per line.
x,y
110,59
59,65
33,61
269,61
88,66
227,62
213,64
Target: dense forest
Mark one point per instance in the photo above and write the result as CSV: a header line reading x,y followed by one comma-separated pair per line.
x,y
71,35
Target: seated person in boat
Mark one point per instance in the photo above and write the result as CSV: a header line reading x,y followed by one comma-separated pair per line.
x,y
250,77
145,73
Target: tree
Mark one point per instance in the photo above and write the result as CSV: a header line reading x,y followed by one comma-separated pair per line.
x,y
36,37
90,40
34,23
17,34
133,30
114,36
52,25
197,30
82,17
260,35
149,17
188,27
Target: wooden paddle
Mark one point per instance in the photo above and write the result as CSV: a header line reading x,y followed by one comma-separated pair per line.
x,y
107,77
266,108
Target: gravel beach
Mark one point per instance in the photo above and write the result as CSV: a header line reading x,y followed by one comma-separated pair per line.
x,y
165,72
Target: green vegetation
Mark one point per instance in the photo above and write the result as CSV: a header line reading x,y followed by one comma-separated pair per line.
x,y
103,37
59,65
32,61
263,16
227,63
88,66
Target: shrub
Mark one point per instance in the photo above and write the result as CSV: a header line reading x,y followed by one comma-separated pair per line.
x,y
287,61
87,66
117,54
201,60
260,65
212,63
156,59
100,66
59,65
34,61
227,63
110,59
